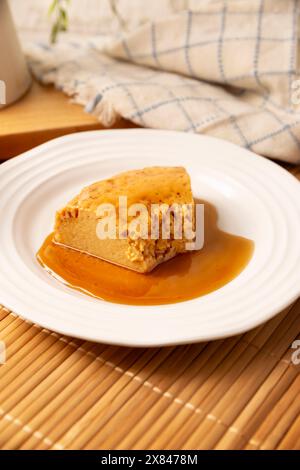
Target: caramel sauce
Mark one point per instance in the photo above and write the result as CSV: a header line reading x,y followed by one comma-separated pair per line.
x,y
191,275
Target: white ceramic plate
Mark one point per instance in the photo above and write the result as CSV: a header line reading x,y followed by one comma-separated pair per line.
x,y
255,197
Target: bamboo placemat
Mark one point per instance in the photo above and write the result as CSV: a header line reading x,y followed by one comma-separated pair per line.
x,y
62,393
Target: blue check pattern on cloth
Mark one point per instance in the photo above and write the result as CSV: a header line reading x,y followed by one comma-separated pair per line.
x,y
226,70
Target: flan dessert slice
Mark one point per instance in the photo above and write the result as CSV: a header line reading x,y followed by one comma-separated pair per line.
x,y
76,224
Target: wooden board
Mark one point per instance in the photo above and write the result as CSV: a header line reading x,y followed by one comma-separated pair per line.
x,y
42,114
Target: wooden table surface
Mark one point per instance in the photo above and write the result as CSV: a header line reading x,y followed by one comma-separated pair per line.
x,y
62,393
42,114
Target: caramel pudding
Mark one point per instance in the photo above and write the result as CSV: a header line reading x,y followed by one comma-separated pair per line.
x,y
76,224
185,277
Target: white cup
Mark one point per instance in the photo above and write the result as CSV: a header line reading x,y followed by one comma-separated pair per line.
x,y
14,75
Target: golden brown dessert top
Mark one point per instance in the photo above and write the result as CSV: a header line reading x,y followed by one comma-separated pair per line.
x,y
152,185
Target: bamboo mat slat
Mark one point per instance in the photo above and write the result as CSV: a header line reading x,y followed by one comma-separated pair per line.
x,y
62,393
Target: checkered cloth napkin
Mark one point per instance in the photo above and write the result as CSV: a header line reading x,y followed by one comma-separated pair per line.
x,y
227,70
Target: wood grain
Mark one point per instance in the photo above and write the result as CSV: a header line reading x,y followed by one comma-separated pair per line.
x,y
43,114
